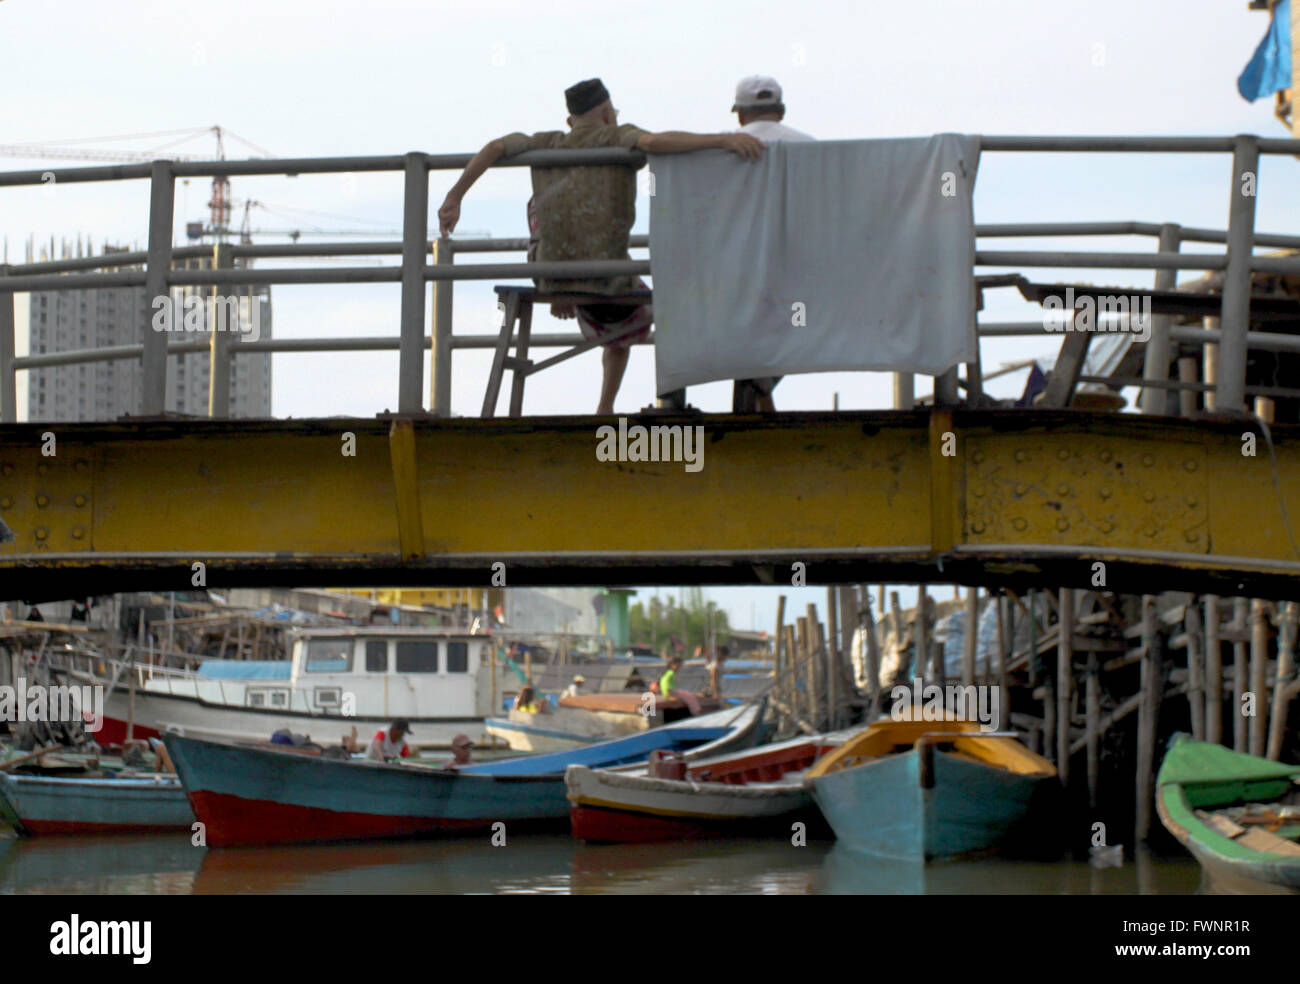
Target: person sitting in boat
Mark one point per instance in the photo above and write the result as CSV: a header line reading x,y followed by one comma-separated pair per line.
x,y
527,700
390,744
461,752
576,687
668,686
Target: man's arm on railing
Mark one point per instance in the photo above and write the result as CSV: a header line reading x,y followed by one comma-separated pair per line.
x,y
678,142
449,212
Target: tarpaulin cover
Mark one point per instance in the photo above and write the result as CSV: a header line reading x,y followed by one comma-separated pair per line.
x,y
245,669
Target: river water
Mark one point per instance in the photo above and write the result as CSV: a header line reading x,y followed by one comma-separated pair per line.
x,y
547,864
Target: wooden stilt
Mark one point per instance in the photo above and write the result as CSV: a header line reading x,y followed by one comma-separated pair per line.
x,y
1146,737
1258,722
1282,689
1213,673
1004,695
1064,681
816,685
832,659
792,669
1195,670
921,633
1240,610
970,638
778,639
1092,712
873,657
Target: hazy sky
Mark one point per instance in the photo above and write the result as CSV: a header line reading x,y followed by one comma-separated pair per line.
x,y
386,76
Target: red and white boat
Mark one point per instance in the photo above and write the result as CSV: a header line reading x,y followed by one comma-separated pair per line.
x,y
752,792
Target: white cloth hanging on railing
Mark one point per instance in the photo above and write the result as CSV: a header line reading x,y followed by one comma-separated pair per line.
x,y
822,256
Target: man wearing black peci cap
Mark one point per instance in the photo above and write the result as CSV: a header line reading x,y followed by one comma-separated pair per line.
x,y
586,213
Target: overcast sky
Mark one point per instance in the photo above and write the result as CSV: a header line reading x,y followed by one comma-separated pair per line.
x,y
386,76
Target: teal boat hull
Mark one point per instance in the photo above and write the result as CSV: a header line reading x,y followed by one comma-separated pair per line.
x,y
880,808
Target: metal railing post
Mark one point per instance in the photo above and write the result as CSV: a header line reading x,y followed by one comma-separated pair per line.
x,y
8,376
219,347
162,200
415,229
1235,317
1155,399
440,369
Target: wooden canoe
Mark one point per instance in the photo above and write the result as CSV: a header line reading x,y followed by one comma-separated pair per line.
x,y
46,805
249,795
1247,850
918,790
756,791
587,719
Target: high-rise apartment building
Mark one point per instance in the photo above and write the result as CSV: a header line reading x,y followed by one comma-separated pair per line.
x,y
66,320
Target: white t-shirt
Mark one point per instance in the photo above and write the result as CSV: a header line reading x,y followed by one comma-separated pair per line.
x,y
769,130
382,748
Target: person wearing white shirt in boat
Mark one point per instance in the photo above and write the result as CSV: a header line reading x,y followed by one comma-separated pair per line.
x,y
575,688
390,743
760,109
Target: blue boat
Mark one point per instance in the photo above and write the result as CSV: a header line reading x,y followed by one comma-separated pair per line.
x,y
918,790
44,805
248,795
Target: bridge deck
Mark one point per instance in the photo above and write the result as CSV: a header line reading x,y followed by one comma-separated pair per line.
x,y
1022,497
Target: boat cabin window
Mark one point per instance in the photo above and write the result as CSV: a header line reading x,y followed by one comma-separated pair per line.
x,y
417,657
457,657
377,656
329,656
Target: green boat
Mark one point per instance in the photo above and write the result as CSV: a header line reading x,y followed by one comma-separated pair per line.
x,y
1239,815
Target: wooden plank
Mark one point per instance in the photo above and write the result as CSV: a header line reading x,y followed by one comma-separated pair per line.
x,y
1064,682
1195,671
1240,609
1213,673
1065,374
1220,824
1262,840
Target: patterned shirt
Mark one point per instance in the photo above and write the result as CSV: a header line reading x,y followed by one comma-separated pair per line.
x,y
584,213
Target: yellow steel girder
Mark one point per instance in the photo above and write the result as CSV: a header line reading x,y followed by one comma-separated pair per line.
x,y
942,495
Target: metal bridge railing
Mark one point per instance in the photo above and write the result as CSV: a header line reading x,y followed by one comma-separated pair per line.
x,y
159,274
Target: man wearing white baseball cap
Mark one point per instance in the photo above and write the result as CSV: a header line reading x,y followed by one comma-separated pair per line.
x,y
760,108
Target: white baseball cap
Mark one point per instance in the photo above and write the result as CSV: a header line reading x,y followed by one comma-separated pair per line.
x,y
755,91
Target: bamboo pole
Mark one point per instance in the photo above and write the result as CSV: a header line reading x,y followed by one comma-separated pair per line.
x,y
815,662
778,636
1195,676
896,615
1146,737
873,657
832,659
1239,613
1282,689
1092,712
970,639
1213,673
1004,615
1257,733
921,635
796,669
1064,680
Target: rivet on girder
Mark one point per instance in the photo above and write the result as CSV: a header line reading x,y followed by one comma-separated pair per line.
x,y
1190,465
1021,490
1148,460
6,469
78,532
1063,454
1106,526
1105,456
1063,489
1151,531
80,465
43,468
1191,501
1062,524
80,500
1149,496
1020,455
7,502
1105,492
1192,537
1020,523
42,533
42,500
977,457
977,527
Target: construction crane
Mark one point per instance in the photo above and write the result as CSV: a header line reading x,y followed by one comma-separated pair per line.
x,y
219,205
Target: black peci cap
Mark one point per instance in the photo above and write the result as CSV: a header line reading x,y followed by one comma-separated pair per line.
x,y
402,723
585,96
